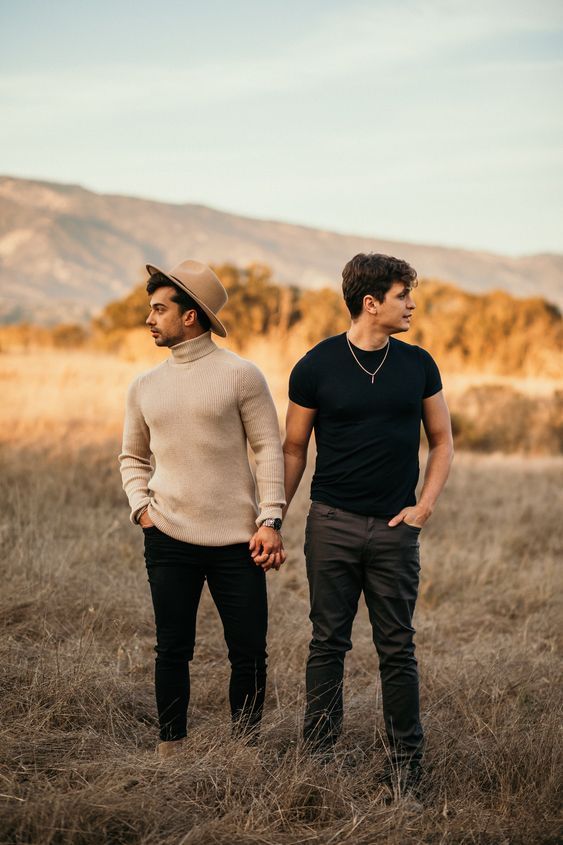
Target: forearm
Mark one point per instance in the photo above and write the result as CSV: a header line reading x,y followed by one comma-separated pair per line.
x,y
135,474
260,422
135,457
295,462
269,480
436,474
264,438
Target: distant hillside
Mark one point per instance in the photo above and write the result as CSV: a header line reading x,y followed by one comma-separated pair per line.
x,y
65,252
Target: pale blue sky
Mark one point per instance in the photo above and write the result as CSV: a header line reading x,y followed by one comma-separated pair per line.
x,y
435,121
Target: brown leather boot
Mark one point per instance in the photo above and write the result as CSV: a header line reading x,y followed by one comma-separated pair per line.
x,y
166,750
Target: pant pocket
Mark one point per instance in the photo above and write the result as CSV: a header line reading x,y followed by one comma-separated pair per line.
x,y
318,509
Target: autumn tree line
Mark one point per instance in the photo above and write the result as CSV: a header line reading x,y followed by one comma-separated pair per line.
x,y
489,334
493,333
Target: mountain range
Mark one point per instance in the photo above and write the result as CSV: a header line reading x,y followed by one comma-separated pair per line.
x,y
66,251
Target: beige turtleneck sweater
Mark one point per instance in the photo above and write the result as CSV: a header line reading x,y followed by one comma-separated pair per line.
x,y
185,453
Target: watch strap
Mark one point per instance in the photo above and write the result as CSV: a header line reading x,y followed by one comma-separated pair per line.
x,y
276,523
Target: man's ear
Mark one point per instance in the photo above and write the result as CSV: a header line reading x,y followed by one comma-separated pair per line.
x,y
190,316
370,304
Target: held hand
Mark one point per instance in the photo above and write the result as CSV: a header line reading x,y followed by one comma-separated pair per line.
x,y
266,548
145,520
415,516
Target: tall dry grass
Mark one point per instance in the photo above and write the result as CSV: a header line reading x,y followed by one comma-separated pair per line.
x,y
78,717
81,392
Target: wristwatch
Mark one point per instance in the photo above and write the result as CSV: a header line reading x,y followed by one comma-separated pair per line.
x,y
276,523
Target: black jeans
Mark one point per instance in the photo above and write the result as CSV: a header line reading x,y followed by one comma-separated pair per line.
x,y
346,554
176,573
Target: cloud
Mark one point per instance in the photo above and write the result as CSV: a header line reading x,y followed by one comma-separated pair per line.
x,y
383,40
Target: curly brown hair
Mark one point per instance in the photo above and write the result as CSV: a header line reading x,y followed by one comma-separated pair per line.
x,y
373,273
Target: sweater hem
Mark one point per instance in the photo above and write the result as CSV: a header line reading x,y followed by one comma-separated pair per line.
x,y
199,538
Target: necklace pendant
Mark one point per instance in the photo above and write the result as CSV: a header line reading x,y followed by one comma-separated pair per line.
x,y
361,366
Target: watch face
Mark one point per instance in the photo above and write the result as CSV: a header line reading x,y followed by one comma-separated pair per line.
x,y
276,524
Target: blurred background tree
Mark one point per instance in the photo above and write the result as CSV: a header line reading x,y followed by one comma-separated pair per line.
x,y
481,335
69,336
322,313
256,306
127,313
493,333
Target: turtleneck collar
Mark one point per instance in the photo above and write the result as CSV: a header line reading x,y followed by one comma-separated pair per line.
x,y
191,350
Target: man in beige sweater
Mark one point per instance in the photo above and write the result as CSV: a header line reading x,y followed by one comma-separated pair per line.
x,y
185,469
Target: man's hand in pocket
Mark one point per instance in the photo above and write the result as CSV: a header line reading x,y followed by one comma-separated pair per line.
x,y
145,520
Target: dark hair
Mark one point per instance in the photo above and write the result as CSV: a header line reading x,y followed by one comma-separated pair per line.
x,y
373,273
184,300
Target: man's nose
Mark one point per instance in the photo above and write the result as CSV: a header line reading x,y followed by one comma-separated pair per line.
x,y
150,320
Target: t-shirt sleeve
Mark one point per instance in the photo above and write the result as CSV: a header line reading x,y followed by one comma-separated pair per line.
x,y
432,378
302,386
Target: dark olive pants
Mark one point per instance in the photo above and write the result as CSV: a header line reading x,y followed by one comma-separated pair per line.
x,y
177,572
348,554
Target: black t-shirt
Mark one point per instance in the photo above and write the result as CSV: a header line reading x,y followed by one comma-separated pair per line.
x,y
368,435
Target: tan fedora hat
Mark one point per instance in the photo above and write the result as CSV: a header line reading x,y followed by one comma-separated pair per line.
x,y
201,283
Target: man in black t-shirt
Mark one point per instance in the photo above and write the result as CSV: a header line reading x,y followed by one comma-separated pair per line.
x,y
365,394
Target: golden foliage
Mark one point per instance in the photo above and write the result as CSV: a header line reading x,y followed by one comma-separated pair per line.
x,y
69,336
256,305
490,333
25,336
126,313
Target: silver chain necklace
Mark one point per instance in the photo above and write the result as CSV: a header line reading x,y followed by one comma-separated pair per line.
x,y
375,372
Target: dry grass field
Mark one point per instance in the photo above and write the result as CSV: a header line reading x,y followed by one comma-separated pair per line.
x,y
78,719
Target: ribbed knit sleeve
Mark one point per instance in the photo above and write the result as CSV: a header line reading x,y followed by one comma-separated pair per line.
x,y
134,460
259,417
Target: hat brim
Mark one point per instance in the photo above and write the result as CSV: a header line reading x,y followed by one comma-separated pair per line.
x,y
216,324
